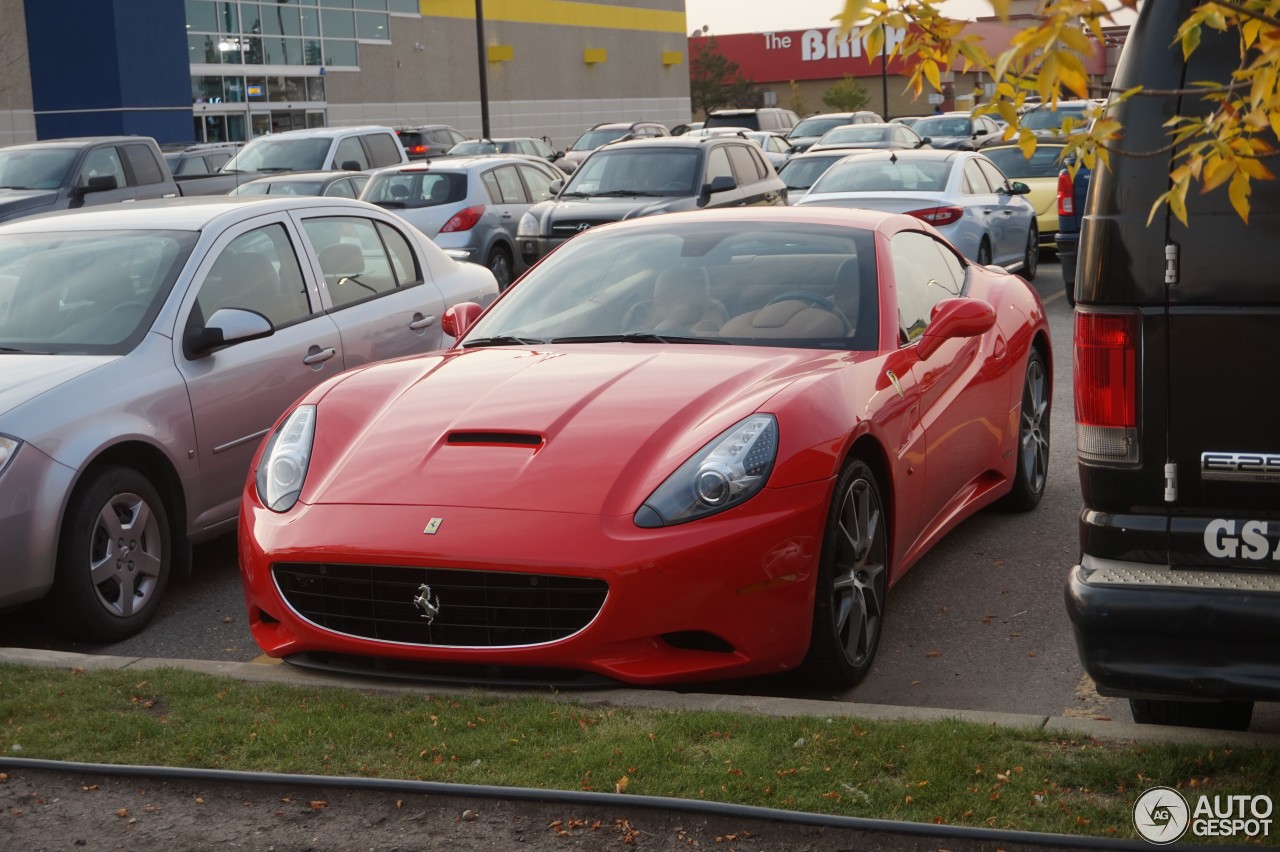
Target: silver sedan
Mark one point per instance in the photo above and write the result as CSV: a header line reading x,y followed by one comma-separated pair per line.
x,y
963,194
144,352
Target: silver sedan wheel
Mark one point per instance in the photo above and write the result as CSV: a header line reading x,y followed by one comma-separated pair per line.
x,y
125,554
859,587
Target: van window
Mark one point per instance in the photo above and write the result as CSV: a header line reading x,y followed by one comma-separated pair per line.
x,y
384,150
350,154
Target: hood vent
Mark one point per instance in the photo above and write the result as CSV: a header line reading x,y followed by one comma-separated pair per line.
x,y
500,439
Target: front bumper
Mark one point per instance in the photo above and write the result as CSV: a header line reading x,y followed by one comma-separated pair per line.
x,y
33,489
534,248
741,582
1152,631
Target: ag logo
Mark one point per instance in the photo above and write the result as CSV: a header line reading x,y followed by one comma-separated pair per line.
x,y
1161,815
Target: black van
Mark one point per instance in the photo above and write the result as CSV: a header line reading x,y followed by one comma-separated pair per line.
x,y
1176,600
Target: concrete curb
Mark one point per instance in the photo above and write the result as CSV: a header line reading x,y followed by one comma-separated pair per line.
x,y
277,672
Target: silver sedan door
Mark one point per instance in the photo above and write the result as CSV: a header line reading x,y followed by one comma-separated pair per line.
x,y
238,391
377,288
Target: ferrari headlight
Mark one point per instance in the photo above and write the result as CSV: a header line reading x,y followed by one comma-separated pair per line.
x,y
528,226
726,472
8,449
283,466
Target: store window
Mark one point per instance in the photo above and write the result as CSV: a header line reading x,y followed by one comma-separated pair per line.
x,y
338,52
372,26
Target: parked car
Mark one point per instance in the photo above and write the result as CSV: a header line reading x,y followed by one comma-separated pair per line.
x,y
1040,173
775,147
802,170
959,130
66,174
204,158
694,469
353,149
764,118
685,127
643,177
961,193
853,136
331,184
527,145
428,140
908,120
1175,601
469,206
145,351
603,134
1060,119
811,129
1073,194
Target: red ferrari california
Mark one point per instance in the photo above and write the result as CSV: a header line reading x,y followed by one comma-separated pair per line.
x,y
681,448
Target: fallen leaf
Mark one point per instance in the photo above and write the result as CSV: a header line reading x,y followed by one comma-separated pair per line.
x,y
621,785
123,812
907,800
914,682
1031,653
318,805
226,619
199,800
934,653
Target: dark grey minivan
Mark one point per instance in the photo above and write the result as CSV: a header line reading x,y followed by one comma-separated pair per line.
x,y
1176,600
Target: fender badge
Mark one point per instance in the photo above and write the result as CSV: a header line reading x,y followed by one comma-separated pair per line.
x,y
433,526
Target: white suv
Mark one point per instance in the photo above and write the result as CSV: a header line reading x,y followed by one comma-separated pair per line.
x,y
321,148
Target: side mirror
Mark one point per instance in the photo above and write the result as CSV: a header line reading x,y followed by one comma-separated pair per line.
x,y
927,140
225,327
556,155
555,186
1018,188
458,319
724,183
953,318
102,183
350,166
981,131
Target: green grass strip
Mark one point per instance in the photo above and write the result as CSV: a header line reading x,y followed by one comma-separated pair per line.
x,y
942,772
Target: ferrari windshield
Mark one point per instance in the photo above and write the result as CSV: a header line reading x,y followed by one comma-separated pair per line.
x,y
85,291
756,283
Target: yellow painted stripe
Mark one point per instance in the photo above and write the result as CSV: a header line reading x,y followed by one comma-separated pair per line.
x,y
565,13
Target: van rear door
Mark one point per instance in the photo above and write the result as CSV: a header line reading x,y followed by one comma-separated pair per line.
x,y
1223,320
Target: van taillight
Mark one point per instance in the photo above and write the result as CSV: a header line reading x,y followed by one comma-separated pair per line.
x,y
1106,387
1066,194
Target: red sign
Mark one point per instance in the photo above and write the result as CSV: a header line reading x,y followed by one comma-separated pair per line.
x,y
819,54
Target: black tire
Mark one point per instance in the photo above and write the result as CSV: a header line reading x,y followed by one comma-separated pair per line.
x,y
1033,437
499,263
984,253
1031,259
853,572
1224,715
115,556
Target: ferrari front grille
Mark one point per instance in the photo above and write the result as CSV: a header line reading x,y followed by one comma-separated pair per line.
x,y
440,606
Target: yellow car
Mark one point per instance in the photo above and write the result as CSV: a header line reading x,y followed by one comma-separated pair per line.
x,y
1040,172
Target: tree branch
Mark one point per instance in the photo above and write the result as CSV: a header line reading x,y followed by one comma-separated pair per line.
x,y
1248,13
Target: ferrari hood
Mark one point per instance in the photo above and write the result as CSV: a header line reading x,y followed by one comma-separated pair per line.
x,y
587,428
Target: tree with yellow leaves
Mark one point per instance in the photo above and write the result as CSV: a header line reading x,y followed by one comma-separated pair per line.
x,y
1227,145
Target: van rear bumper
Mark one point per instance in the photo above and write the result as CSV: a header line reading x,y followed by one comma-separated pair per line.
x,y
1152,631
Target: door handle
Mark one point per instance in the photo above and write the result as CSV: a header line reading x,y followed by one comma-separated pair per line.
x,y
420,322
506,215
316,356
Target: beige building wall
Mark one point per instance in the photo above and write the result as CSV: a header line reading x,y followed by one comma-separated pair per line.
x,y
17,114
552,78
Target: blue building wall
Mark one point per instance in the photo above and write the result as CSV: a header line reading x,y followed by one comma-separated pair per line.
x,y
109,67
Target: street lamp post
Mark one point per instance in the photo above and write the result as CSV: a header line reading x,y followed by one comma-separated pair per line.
x,y
484,71
883,71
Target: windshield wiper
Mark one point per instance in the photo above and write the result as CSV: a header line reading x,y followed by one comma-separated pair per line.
x,y
620,192
574,194
502,340
22,351
637,337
